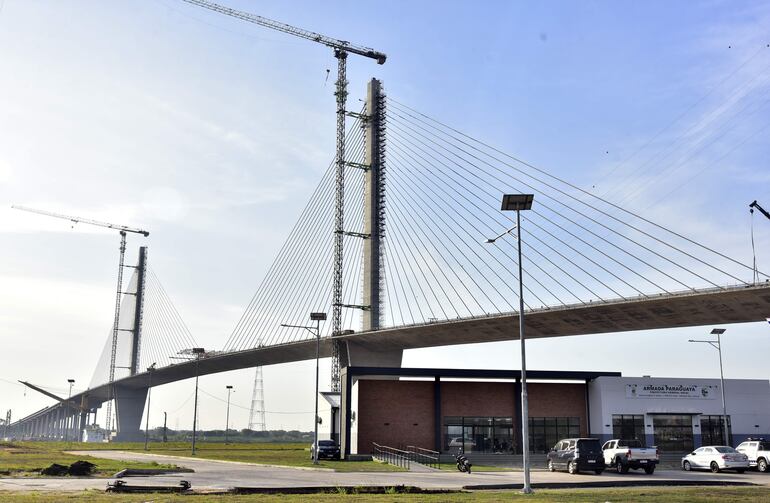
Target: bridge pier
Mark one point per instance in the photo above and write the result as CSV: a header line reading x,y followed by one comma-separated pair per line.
x,y
129,407
360,355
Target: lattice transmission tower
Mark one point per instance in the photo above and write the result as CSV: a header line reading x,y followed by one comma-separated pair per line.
x,y
257,410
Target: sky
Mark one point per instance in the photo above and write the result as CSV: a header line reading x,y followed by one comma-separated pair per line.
x,y
212,133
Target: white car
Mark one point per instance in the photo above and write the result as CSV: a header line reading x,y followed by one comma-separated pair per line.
x,y
715,458
758,451
466,444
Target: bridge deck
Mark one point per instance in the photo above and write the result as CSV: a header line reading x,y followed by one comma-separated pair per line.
x,y
704,307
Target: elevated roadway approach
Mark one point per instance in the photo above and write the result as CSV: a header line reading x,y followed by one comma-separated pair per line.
x,y
739,304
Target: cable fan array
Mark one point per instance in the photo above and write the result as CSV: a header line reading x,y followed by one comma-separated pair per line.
x,y
443,199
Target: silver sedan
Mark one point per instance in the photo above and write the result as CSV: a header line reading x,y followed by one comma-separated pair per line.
x,y
715,458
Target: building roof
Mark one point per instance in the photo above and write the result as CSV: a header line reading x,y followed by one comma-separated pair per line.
x,y
477,373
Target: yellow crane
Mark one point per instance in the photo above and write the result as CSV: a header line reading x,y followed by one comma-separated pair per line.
x,y
122,229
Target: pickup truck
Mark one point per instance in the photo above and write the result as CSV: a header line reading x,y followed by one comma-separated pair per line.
x,y
758,451
626,454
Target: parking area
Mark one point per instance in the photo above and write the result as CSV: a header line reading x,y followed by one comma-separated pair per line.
x,y
225,475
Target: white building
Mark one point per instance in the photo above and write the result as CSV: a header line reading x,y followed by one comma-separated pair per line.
x,y
677,414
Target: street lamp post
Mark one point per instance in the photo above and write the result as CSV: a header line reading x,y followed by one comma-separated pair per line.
x,y
517,203
318,318
71,383
227,417
718,345
198,352
150,369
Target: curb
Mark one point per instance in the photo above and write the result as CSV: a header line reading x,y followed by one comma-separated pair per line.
x,y
189,458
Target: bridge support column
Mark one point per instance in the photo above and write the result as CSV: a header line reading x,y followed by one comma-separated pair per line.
x,y
60,423
129,407
81,425
374,228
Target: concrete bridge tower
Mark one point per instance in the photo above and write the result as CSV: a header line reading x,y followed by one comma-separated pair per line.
x,y
374,231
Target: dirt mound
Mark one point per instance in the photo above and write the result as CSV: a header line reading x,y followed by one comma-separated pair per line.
x,y
55,470
81,468
78,469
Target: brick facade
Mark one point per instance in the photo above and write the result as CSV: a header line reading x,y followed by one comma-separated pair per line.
x,y
395,413
555,400
401,413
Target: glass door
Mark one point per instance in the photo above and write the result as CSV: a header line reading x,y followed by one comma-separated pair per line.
x,y
673,432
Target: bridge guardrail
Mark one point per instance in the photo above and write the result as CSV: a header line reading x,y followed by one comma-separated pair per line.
x,y
391,455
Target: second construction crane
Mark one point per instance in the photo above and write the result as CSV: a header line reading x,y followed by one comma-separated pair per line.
x,y
123,230
341,50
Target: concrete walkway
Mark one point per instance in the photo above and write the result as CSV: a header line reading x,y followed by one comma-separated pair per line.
x,y
211,474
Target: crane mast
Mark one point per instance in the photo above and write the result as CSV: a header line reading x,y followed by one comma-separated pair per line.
x,y
123,230
341,50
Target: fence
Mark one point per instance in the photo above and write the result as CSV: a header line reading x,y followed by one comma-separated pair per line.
x,y
424,456
391,455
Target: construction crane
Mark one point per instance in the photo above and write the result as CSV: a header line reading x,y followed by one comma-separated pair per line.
x,y
341,50
756,205
123,230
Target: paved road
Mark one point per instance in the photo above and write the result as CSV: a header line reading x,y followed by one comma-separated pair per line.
x,y
224,475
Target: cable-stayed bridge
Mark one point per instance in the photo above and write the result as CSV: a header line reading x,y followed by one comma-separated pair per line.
x,y
420,198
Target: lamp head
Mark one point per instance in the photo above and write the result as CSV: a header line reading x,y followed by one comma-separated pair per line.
x,y
517,202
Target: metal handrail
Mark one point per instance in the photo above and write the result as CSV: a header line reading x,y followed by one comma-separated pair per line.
x,y
391,455
424,456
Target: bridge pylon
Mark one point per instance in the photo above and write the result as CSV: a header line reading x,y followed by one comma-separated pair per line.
x,y
374,233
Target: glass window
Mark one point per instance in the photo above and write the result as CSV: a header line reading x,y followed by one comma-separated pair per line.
x,y
547,431
628,426
478,434
712,430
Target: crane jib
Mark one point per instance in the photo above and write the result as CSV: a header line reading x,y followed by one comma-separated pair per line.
x,y
334,43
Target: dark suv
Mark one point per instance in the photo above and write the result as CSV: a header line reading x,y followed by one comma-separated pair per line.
x,y
577,454
326,449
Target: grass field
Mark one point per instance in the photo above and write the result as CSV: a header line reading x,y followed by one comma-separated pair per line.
x,y
625,495
33,455
26,459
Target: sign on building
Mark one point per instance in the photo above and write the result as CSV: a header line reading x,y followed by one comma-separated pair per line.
x,y
671,391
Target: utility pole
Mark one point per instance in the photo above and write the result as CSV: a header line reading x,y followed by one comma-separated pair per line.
x,y
341,50
71,383
198,352
227,420
150,370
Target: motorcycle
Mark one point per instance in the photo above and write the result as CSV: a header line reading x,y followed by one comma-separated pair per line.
x,y
462,462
